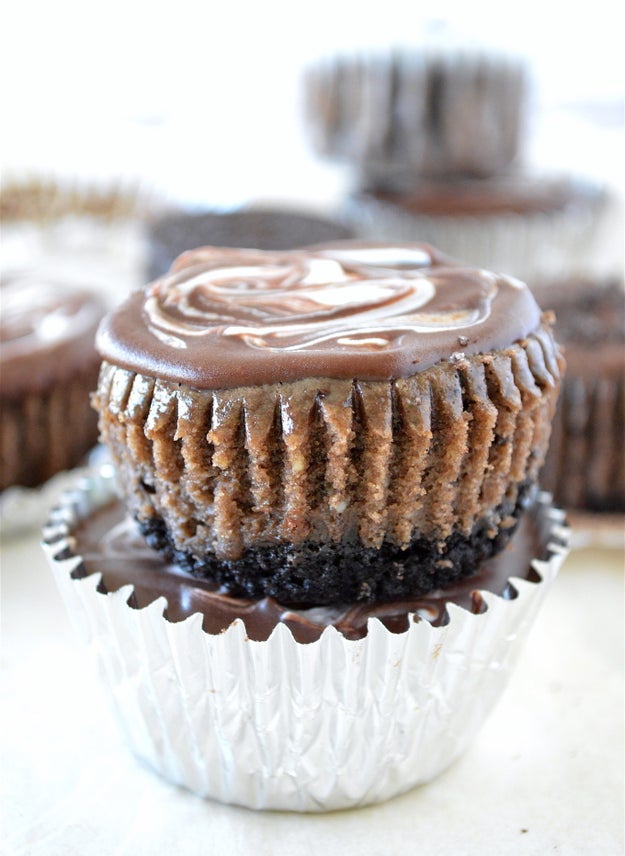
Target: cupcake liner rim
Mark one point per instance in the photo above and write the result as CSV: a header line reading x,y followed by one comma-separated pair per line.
x,y
94,489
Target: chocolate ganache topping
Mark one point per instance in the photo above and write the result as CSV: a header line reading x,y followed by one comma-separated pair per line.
x,y
226,317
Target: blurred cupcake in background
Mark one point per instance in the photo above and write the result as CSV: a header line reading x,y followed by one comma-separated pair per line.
x,y
528,226
435,141
401,115
585,465
170,234
70,229
48,368
71,248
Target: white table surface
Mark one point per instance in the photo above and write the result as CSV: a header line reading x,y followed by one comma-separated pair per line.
x,y
544,776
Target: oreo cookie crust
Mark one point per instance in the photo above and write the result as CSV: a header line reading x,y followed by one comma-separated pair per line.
x,y
326,573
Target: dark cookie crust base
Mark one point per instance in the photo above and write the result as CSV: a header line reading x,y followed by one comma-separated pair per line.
x,y
320,574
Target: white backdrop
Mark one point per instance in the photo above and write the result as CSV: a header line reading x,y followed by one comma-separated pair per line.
x,y
200,99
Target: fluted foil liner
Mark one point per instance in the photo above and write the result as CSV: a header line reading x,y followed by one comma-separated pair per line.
x,y
284,725
26,509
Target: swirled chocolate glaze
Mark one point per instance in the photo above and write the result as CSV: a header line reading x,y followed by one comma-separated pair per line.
x,y
228,317
44,327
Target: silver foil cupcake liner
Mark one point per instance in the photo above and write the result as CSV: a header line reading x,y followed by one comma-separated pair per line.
x,y
279,724
27,509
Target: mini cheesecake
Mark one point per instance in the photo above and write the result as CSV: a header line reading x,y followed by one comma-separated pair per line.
x,y
344,423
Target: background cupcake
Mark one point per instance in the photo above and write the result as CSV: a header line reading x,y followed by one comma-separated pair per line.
x,y
67,228
435,142
397,115
259,227
585,467
71,247
49,367
539,227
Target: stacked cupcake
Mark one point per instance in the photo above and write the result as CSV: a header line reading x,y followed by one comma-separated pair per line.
x,y
405,114
435,142
329,545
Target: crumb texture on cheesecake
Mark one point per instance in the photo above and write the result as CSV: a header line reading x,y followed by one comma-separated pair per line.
x,y
328,460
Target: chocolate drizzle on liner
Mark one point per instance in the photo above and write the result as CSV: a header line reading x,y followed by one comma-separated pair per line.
x,y
91,531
